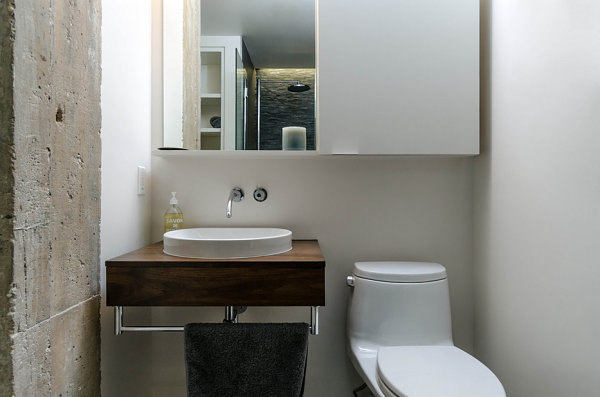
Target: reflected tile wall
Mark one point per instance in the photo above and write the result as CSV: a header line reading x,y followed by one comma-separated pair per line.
x,y
282,108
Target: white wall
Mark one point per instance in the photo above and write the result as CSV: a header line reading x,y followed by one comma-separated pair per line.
x,y
125,216
172,34
537,189
359,208
538,198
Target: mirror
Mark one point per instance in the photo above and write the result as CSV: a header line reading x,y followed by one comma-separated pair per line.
x,y
243,78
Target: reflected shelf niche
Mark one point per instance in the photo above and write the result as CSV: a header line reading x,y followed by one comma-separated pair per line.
x,y
211,97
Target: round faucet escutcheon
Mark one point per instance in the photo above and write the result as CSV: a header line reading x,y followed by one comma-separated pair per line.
x,y
260,194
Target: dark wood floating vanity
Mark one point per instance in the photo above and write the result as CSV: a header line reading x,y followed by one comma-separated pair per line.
x,y
148,277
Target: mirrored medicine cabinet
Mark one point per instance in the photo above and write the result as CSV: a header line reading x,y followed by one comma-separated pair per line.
x,y
239,75
394,77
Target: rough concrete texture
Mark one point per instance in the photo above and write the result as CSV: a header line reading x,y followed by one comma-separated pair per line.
x,y
56,198
7,21
59,356
191,82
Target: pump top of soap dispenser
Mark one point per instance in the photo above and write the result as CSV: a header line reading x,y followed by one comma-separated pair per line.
x,y
173,199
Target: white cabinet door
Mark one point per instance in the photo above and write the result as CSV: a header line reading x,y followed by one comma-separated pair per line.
x,y
398,76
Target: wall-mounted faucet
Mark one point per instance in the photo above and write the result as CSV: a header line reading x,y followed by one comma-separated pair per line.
x,y
236,195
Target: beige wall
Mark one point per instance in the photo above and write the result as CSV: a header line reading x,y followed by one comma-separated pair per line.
x,y
537,198
359,208
55,286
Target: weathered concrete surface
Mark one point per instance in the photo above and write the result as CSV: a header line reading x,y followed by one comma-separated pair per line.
x,y
191,82
56,198
59,356
6,191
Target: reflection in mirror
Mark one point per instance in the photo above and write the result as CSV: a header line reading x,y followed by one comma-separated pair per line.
x,y
241,75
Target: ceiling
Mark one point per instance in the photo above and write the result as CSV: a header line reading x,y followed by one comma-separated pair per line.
x,y
277,33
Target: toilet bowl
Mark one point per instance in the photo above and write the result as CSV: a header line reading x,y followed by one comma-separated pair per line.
x,y
400,335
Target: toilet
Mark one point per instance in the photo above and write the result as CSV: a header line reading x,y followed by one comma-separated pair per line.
x,y
400,334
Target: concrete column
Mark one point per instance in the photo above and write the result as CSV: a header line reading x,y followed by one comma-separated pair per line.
x,y
53,180
7,183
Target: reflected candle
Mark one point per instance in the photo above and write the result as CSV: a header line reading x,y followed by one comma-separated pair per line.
x,y
293,138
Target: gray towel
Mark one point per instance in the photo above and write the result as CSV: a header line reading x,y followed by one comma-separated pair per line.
x,y
248,359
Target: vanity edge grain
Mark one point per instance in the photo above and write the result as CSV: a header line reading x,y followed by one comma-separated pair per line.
x,y
305,253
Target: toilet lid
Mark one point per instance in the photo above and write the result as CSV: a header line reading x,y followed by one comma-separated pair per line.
x,y
428,371
400,272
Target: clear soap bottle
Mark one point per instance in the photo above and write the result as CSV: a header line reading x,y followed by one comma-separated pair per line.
x,y
173,219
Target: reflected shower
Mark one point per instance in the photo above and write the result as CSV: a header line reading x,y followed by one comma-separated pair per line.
x,y
296,86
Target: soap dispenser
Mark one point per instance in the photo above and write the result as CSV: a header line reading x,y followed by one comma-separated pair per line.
x,y
173,219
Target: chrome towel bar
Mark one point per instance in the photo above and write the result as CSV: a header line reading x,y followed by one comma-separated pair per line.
x,y
120,327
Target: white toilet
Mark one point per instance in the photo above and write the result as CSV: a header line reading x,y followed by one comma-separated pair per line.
x,y
400,334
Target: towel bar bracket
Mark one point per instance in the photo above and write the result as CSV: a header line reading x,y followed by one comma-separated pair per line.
x,y
314,320
232,312
229,315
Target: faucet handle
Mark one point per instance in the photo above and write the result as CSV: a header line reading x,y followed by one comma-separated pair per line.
x,y
260,194
237,194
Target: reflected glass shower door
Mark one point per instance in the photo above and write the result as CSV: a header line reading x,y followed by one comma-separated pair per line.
x,y
240,103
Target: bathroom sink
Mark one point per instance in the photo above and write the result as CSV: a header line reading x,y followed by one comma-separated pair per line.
x,y
226,242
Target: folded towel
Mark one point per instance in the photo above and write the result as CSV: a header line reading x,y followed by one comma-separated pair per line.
x,y
246,359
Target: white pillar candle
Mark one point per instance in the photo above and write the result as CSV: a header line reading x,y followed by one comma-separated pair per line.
x,y
293,138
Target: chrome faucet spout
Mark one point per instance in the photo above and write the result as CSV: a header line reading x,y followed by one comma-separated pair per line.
x,y
228,211
236,195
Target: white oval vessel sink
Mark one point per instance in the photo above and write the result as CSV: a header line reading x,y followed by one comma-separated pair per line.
x,y
227,242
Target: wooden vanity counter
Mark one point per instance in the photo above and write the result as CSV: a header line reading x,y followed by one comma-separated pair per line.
x,y
148,277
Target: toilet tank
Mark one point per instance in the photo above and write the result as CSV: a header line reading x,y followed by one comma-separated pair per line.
x,y
399,304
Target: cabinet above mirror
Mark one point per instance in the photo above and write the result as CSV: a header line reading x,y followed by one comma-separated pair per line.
x,y
239,75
